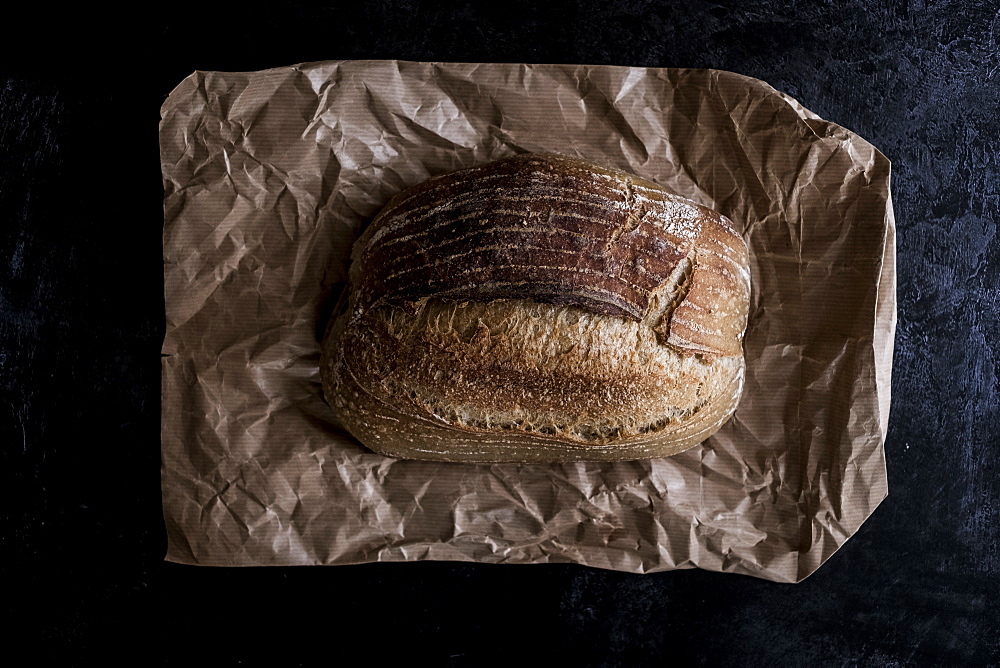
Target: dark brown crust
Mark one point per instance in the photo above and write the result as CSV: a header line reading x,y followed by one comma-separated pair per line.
x,y
556,230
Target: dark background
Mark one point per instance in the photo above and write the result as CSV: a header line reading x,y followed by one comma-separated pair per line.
x,y
81,323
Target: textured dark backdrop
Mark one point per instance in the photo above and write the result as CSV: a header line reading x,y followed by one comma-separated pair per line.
x,y
81,322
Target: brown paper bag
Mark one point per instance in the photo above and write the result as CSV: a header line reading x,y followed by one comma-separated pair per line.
x,y
270,176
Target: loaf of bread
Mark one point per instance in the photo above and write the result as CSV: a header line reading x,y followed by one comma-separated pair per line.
x,y
539,308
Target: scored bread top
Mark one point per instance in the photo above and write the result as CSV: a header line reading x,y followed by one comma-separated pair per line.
x,y
559,230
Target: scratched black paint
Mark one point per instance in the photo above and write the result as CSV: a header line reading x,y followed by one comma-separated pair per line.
x,y
81,320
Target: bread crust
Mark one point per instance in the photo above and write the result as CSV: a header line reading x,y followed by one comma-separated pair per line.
x,y
539,308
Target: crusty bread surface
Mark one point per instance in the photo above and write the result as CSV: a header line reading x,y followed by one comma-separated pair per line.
x,y
539,308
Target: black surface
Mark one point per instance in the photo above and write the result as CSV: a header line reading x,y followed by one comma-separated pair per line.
x,y
81,323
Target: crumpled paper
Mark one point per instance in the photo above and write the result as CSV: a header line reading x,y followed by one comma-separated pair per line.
x,y
270,176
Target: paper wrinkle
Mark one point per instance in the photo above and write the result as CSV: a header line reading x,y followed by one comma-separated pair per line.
x,y
269,177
